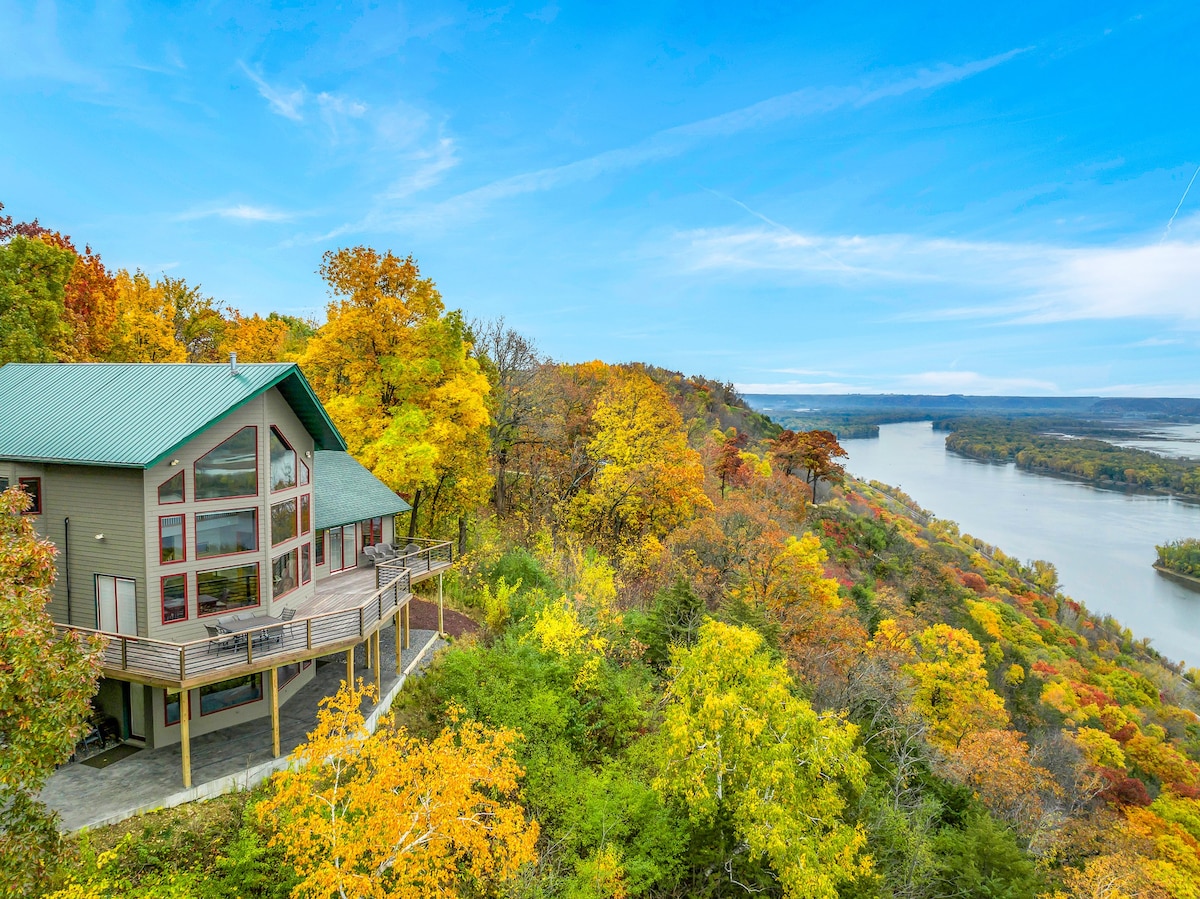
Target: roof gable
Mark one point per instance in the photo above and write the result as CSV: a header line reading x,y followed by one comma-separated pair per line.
x,y
345,491
132,415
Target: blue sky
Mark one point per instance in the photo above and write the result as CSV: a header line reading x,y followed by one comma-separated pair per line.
x,y
834,197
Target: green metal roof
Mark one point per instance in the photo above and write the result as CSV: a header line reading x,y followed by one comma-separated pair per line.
x,y
133,415
344,491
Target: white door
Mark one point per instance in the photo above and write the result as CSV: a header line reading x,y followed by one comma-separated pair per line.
x,y
335,549
349,547
116,604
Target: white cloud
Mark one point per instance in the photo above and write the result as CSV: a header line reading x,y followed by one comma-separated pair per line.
x,y
240,212
679,139
971,382
1024,283
286,103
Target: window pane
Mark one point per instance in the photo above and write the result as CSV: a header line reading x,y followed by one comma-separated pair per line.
x,y
226,588
283,574
303,474
33,487
3,484
305,563
171,701
170,539
230,693
283,521
283,463
223,533
287,674
230,469
172,490
305,513
174,598
320,547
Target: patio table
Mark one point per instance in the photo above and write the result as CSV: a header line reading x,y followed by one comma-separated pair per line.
x,y
263,623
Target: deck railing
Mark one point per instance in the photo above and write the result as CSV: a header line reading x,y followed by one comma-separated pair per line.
x,y
432,556
282,643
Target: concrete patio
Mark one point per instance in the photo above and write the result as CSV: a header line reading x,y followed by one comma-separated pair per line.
x,y
237,757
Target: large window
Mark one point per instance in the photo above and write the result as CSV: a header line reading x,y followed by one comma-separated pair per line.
x,y
174,598
231,468
33,487
229,694
225,533
305,563
305,513
283,574
372,532
283,521
283,462
171,490
225,589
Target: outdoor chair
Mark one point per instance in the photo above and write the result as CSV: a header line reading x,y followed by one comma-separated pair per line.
x,y
373,554
285,615
411,549
219,646
385,552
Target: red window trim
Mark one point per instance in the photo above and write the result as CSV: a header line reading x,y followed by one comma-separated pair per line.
x,y
183,537
274,595
303,547
306,476
305,500
257,470
257,605
295,455
162,599
240,552
167,701
319,541
174,502
295,521
261,695
37,508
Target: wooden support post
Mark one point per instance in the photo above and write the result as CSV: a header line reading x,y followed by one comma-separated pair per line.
x,y
185,737
350,667
375,661
274,681
396,629
441,622
405,626
367,652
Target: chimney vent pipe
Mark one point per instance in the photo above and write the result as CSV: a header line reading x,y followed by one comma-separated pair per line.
x,y
233,363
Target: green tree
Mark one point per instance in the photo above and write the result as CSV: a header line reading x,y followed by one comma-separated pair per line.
x,y
33,323
47,680
745,756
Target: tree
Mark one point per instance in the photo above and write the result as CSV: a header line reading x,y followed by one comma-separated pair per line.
x,y
395,372
146,323
197,323
646,480
730,467
47,680
386,815
814,451
744,755
511,362
33,278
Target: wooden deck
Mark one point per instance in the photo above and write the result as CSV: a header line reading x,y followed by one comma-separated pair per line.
x,y
350,589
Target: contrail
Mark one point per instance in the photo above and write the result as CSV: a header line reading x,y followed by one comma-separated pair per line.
x,y
1180,206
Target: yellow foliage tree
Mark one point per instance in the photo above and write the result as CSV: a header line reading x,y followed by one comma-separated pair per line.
x,y
145,323
396,374
385,815
646,479
742,750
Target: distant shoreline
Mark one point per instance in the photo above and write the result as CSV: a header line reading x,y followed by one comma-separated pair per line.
x,y
1192,583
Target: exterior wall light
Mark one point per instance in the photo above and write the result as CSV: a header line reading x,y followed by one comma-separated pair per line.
x,y
99,536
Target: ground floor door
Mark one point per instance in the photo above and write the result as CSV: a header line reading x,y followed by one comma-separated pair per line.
x,y
343,548
116,604
135,710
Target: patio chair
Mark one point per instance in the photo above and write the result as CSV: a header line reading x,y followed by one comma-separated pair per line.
x,y
386,552
411,549
278,632
373,554
219,646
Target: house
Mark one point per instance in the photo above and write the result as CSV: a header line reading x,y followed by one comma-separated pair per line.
x,y
211,525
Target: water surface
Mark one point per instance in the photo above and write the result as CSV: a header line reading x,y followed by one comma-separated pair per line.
x,y
1101,541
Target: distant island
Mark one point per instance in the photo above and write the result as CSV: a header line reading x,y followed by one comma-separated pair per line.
x,y
1180,560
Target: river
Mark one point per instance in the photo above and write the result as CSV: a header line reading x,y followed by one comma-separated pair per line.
x,y
1101,541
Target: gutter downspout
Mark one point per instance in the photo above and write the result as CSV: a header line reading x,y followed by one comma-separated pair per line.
x,y
67,562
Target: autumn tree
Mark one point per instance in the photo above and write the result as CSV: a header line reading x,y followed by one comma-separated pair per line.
x,y
749,759
146,323
47,680
730,467
646,480
396,373
814,451
197,323
386,815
